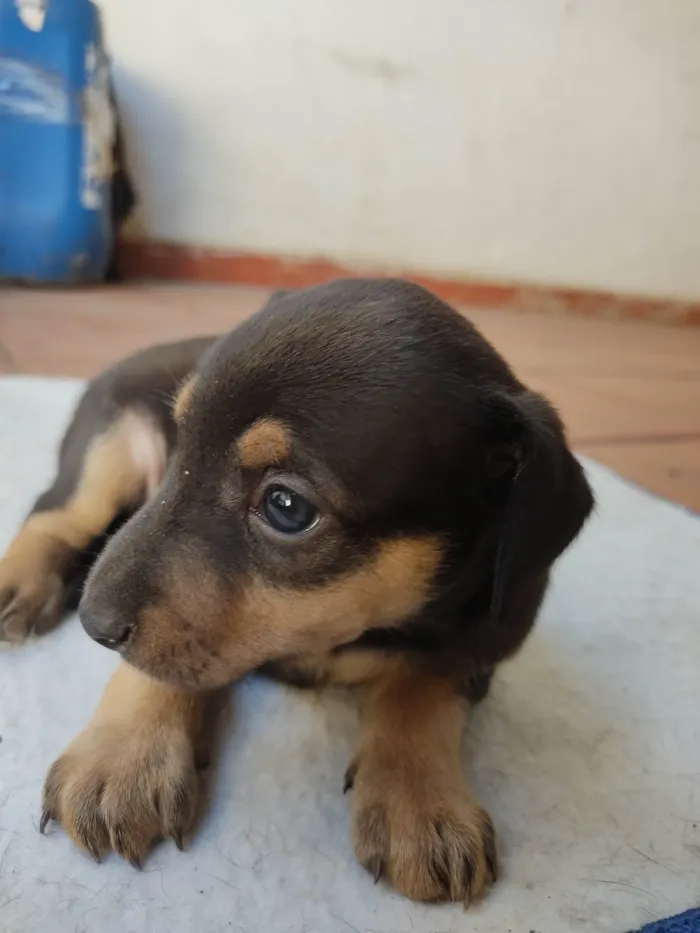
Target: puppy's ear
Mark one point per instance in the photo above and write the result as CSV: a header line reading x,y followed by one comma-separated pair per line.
x,y
544,496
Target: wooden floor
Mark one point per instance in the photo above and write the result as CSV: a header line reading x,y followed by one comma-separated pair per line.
x,y
629,393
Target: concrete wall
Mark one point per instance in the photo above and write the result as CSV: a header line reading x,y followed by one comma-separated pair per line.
x,y
553,141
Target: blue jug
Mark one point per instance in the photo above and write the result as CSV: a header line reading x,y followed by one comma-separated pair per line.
x,y
57,132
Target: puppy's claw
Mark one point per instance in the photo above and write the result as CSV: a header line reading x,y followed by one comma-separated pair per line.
x,y
46,818
94,852
177,839
349,779
376,867
136,863
202,759
491,856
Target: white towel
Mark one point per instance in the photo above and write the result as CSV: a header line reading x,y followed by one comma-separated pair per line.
x,y
586,752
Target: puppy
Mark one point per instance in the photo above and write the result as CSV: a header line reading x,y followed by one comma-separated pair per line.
x,y
352,487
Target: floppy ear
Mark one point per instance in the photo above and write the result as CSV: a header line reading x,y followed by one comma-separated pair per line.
x,y
546,497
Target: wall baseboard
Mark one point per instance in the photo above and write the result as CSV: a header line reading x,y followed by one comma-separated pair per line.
x,y
147,259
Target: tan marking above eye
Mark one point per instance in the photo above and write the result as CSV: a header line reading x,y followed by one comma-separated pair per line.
x,y
266,443
182,399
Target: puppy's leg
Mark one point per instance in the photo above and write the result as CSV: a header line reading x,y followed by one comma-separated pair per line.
x,y
110,461
414,818
129,778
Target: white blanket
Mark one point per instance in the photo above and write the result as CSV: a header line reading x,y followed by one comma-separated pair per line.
x,y
587,753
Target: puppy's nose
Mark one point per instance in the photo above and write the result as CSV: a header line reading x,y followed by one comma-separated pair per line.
x,y
108,628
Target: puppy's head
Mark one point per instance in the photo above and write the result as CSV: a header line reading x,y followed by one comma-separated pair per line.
x,y
342,458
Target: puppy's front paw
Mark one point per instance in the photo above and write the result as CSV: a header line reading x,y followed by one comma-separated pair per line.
x,y
431,842
31,598
122,789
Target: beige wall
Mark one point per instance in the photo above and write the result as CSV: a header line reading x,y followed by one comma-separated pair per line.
x,y
554,141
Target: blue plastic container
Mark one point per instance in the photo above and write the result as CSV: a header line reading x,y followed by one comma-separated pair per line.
x,y
56,138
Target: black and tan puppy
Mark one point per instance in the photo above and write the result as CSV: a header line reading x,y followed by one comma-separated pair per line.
x,y
351,487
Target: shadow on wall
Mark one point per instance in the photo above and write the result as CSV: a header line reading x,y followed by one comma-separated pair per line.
x,y
165,119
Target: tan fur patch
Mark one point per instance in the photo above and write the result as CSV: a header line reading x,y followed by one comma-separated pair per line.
x,y
414,818
395,584
182,399
348,668
222,636
412,712
269,622
147,704
121,468
265,443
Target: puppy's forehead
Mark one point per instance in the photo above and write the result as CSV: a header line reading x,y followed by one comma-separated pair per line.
x,y
357,371
353,336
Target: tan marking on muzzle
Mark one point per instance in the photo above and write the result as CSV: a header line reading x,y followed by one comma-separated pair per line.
x,y
212,636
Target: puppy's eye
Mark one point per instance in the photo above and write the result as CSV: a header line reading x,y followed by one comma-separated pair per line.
x,y
286,511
